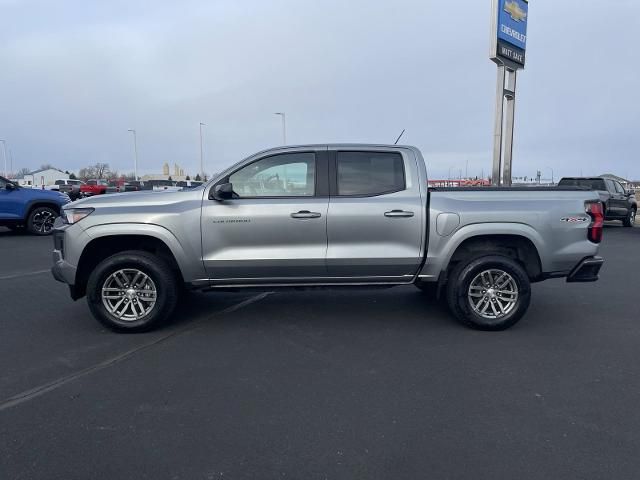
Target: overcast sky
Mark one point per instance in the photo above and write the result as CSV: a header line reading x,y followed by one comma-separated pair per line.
x,y
77,74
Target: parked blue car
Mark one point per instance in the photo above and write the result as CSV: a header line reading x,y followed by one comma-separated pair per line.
x,y
31,208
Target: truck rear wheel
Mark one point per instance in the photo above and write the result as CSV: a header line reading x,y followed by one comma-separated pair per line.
x,y
630,221
489,293
132,291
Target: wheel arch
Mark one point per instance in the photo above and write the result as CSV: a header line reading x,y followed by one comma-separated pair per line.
x,y
31,206
107,243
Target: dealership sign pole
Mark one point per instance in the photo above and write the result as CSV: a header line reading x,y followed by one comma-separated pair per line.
x,y
508,48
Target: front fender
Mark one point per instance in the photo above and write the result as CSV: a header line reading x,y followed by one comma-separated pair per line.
x,y
189,262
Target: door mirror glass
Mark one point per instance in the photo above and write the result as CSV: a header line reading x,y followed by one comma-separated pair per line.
x,y
10,186
223,191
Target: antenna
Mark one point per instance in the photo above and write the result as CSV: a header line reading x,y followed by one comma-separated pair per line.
x,y
401,133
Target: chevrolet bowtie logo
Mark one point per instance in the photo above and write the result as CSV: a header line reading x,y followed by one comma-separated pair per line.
x,y
513,9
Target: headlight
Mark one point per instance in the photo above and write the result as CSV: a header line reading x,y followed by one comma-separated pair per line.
x,y
74,215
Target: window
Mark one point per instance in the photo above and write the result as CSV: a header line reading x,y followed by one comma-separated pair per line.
x,y
59,182
592,183
3,183
619,188
370,173
610,186
285,175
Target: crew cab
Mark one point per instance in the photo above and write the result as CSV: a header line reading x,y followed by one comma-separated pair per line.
x,y
326,216
94,187
618,203
34,209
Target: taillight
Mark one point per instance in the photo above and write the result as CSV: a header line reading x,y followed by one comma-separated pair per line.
x,y
595,211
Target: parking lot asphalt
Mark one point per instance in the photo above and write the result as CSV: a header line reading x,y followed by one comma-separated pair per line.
x,y
321,384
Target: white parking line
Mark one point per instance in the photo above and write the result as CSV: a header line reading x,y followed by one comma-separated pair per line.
x,y
18,275
48,387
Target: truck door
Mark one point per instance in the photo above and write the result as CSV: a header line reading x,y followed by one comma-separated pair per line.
x,y
274,230
376,220
618,201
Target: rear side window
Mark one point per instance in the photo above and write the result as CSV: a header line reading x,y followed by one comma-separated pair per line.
x,y
59,182
591,183
619,188
369,173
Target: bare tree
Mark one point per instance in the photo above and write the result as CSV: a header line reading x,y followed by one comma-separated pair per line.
x,y
87,173
22,172
46,166
102,170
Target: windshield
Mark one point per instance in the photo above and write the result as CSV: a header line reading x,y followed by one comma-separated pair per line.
x,y
590,183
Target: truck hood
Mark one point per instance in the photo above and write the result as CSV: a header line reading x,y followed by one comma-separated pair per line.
x,y
143,198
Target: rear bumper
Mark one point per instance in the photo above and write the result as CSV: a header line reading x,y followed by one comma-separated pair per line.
x,y
586,270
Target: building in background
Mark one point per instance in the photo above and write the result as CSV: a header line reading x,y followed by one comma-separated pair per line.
x,y
178,174
43,178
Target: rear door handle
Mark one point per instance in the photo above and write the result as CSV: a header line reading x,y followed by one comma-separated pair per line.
x,y
398,213
305,214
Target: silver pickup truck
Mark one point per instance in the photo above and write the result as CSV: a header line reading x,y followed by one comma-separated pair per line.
x,y
326,215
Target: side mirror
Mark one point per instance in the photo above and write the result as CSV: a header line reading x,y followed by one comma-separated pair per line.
x,y
10,186
223,191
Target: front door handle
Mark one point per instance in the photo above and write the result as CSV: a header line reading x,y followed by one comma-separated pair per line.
x,y
398,213
305,214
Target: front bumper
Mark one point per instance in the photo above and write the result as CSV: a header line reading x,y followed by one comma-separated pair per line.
x,y
62,271
586,270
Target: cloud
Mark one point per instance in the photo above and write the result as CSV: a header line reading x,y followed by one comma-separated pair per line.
x,y
77,75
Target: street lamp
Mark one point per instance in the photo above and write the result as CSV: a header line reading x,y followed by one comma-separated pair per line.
x,y
201,153
284,126
552,176
135,153
4,154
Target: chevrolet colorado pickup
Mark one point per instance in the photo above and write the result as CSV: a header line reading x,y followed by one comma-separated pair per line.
x,y
326,216
32,208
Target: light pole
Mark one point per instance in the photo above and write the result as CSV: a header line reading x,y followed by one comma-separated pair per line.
x,y
552,182
284,126
135,153
201,153
4,154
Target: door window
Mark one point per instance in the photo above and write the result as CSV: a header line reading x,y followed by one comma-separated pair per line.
x,y
285,175
619,188
610,186
369,173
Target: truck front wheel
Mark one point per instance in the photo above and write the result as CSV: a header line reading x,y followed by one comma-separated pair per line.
x,y
132,291
489,293
630,221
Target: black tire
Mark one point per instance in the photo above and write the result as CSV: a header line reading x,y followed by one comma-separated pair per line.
x,y
630,221
40,221
166,285
464,274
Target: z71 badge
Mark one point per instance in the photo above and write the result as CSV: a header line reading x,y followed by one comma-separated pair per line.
x,y
574,219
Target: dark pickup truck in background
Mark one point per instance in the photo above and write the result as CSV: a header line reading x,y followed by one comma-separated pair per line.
x,y
618,203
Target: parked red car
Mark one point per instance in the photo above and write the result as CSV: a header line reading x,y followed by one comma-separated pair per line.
x,y
93,187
